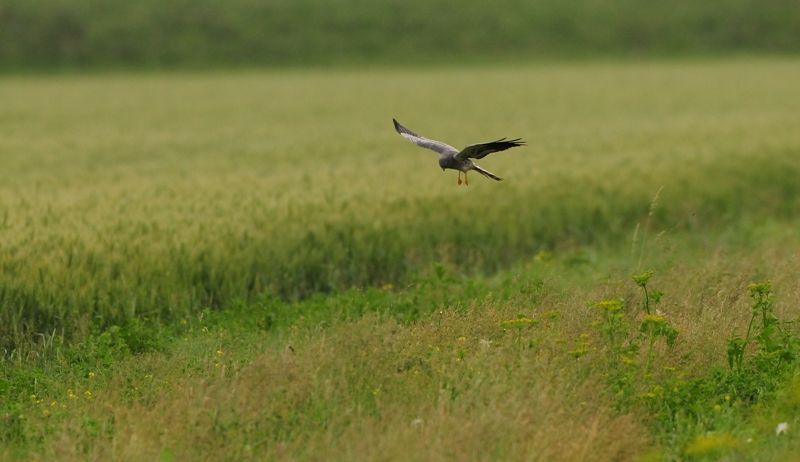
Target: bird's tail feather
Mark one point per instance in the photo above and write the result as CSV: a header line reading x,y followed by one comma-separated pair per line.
x,y
486,173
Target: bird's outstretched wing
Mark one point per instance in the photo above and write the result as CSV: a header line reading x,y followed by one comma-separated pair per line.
x,y
479,151
438,146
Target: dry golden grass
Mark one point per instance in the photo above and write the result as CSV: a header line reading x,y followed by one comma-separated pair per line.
x,y
368,390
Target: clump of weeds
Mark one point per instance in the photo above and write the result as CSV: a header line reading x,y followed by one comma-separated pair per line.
x,y
694,417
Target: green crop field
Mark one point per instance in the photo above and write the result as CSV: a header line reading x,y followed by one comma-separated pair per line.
x,y
80,34
253,265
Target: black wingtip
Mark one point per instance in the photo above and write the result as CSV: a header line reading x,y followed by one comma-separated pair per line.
x,y
515,142
402,130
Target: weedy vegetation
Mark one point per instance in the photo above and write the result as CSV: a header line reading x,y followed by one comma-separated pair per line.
x,y
254,266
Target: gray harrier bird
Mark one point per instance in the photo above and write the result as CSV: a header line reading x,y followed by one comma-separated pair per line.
x,y
452,158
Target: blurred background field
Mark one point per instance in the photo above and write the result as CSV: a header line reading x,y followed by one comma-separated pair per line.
x,y
214,246
47,34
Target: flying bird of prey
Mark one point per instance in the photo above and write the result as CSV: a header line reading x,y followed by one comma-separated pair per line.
x,y
452,158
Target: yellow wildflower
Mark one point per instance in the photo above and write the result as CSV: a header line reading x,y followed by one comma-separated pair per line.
x,y
520,322
642,278
611,305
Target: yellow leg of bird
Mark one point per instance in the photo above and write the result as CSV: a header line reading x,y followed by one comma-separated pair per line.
x,y
459,177
466,181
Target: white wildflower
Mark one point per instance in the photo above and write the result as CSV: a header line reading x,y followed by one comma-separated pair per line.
x,y
782,427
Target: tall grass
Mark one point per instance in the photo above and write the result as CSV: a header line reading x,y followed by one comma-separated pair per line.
x,y
154,197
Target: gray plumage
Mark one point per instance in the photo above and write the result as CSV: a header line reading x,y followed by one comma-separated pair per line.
x,y
452,158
